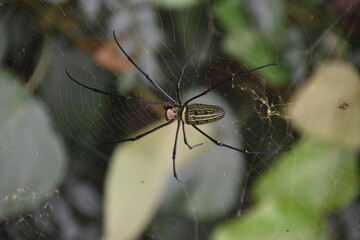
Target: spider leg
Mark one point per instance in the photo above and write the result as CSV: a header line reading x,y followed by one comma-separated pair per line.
x,y
133,138
174,154
112,94
142,72
180,77
231,147
90,88
226,80
185,138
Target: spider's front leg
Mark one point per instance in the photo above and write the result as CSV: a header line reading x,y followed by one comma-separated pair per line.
x,y
132,138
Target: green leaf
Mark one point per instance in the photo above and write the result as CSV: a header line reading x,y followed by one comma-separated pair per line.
x,y
231,15
32,157
254,50
319,177
250,45
175,4
295,196
273,220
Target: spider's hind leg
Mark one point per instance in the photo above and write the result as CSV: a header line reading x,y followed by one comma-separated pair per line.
x,y
234,148
174,155
185,139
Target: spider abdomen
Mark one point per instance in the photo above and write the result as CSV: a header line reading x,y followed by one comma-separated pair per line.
x,y
197,114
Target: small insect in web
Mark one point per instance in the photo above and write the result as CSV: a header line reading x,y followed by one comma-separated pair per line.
x,y
193,114
343,105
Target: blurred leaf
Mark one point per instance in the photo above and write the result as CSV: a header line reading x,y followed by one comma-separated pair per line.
x,y
32,159
269,15
294,57
295,196
273,220
91,9
333,45
230,15
325,179
249,47
137,176
175,4
105,56
317,111
74,107
248,44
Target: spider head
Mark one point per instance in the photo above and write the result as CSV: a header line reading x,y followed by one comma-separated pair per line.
x,y
172,113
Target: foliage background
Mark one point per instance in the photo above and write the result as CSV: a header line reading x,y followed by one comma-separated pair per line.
x,y
58,182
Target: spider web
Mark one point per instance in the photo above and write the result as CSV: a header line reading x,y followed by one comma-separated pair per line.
x,y
160,36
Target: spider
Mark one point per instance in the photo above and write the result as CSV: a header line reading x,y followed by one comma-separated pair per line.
x,y
193,114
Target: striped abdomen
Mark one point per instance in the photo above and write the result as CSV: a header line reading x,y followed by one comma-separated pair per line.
x,y
197,114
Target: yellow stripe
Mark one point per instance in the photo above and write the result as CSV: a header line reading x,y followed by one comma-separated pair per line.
x,y
183,115
204,118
